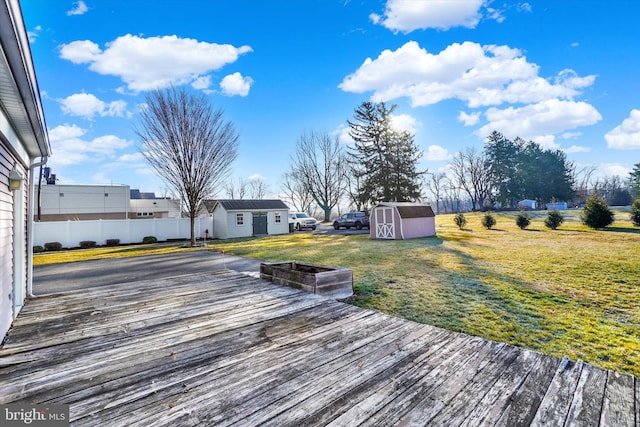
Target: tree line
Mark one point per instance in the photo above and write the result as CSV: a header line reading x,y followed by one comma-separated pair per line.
x,y
382,164
191,146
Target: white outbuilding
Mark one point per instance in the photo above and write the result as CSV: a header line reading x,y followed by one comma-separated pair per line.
x,y
245,218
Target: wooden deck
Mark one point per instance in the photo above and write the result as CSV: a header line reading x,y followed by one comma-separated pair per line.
x,y
224,348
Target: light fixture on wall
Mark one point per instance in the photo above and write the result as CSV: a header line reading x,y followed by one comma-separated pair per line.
x,y
15,179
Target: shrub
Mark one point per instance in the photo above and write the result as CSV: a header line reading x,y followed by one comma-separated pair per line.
x,y
488,221
523,221
52,246
38,249
596,213
460,220
113,242
554,219
86,244
635,213
149,239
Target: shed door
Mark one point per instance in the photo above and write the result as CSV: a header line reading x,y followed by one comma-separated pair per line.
x,y
259,223
385,227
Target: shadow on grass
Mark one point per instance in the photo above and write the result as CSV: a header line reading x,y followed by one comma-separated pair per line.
x,y
622,230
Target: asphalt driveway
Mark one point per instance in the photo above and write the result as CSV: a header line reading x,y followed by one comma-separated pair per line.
x,y
48,279
71,276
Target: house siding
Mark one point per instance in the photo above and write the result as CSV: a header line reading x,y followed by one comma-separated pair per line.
x,y
13,235
225,227
6,241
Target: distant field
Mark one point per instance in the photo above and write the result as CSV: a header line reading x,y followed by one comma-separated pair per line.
x,y
573,291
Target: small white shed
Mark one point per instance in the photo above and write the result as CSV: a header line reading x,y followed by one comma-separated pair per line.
x,y
402,220
245,218
527,204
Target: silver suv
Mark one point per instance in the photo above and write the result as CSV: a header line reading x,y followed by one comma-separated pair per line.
x,y
302,220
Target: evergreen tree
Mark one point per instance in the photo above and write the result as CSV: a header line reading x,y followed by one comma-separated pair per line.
x,y
384,161
634,181
501,155
522,169
596,213
635,213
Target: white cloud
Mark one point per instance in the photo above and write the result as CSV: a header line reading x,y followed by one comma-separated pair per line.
x,y
201,83
406,16
613,169
131,157
404,122
478,75
547,142
571,135
70,148
257,177
525,7
625,136
436,153
87,105
342,132
539,120
576,149
79,9
236,84
33,35
469,119
154,62
495,14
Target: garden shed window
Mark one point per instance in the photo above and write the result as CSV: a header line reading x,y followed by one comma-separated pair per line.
x,y
239,219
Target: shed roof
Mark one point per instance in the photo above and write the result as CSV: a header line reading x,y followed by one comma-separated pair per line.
x,y
246,205
411,210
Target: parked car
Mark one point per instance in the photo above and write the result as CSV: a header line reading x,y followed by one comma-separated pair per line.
x,y
302,220
352,219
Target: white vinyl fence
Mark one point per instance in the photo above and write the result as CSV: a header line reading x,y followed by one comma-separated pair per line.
x,y
71,233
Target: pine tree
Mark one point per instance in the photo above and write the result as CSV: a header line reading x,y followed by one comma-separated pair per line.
x,y
384,161
596,213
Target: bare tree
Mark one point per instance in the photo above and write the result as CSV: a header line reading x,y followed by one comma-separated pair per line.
x,y
582,178
258,188
296,193
238,191
320,164
471,174
435,184
188,144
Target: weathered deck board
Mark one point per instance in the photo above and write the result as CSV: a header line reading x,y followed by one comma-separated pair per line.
x,y
223,348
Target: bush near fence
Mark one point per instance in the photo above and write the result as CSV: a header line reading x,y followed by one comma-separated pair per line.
x,y
127,231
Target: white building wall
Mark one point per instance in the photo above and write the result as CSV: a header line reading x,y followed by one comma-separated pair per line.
x,y
155,208
234,230
84,199
278,228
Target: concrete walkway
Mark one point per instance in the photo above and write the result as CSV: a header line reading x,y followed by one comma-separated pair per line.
x,y
48,279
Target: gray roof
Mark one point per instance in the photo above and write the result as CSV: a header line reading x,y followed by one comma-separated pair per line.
x,y
247,205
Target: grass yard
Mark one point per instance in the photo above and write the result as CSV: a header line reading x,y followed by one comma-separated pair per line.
x,y
572,291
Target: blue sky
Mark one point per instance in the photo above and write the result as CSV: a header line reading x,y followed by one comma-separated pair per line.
x,y
561,73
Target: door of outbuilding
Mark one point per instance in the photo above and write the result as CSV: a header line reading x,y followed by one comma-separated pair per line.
x,y
385,226
259,223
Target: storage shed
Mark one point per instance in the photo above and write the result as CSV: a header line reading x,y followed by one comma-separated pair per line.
x,y
402,220
245,218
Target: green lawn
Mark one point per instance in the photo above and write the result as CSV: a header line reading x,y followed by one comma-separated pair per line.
x,y
572,291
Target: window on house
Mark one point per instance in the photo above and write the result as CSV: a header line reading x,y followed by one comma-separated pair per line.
x,y
278,218
239,219
106,194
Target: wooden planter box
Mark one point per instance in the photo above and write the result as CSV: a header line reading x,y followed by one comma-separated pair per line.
x,y
333,282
